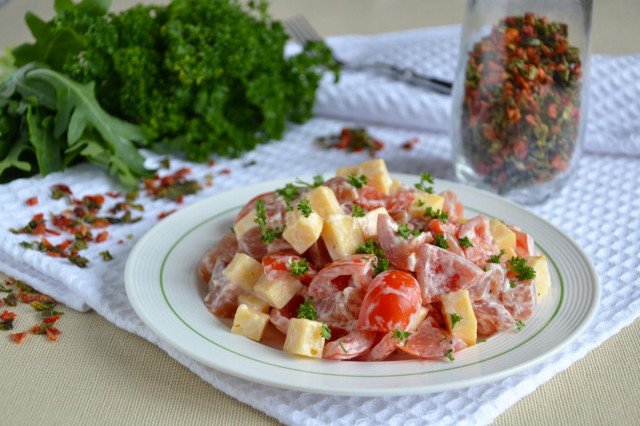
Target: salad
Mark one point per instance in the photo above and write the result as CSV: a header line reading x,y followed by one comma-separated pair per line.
x,y
360,266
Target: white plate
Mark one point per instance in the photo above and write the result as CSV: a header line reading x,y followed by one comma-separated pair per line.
x,y
164,289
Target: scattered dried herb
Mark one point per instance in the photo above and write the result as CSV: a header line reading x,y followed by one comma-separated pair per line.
x,y
355,139
521,107
106,256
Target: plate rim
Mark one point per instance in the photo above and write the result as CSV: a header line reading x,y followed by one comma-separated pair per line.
x,y
361,391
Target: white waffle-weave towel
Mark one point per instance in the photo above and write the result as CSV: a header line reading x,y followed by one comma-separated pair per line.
x,y
403,113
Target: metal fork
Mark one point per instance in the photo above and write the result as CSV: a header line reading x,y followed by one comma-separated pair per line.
x,y
301,31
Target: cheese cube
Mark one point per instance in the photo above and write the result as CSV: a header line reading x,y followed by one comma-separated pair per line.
x,y
243,271
458,303
417,320
276,293
323,201
249,322
396,186
369,223
348,170
377,174
304,337
341,235
246,223
300,231
543,278
375,171
504,238
254,302
422,201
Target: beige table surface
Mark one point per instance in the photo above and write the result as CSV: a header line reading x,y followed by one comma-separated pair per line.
x,y
99,374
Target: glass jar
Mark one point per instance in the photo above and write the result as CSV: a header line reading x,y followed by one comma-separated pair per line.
x,y
520,95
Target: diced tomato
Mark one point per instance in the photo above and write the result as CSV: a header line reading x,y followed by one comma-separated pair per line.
x,y
492,317
392,301
477,230
440,271
278,267
38,216
400,251
385,345
33,201
340,310
401,201
370,198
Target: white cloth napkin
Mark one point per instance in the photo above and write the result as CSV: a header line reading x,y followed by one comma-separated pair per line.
x,y
599,209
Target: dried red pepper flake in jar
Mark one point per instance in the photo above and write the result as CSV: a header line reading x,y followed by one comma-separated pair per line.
x,y
521,102
33,201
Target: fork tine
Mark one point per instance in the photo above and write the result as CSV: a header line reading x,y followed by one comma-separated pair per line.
x,y
300,29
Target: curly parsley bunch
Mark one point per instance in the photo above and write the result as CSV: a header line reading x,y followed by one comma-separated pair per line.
x,y
201,76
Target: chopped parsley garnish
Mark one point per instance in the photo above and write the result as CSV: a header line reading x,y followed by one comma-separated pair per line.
x,y
298,268
425,178
455,318
436,214
401,336
519,325
496,257
420,203
512,284
342,346
358,211
404,231
305,208
449,354
483,340
519,266
317,181
326,333
441,241
290,192
465,242
268,234
358,182
372,247
307,311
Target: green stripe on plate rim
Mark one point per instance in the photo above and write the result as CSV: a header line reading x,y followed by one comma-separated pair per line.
x,y
190,327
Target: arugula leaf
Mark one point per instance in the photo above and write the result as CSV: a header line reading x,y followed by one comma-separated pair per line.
x,y
47,148
63,120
